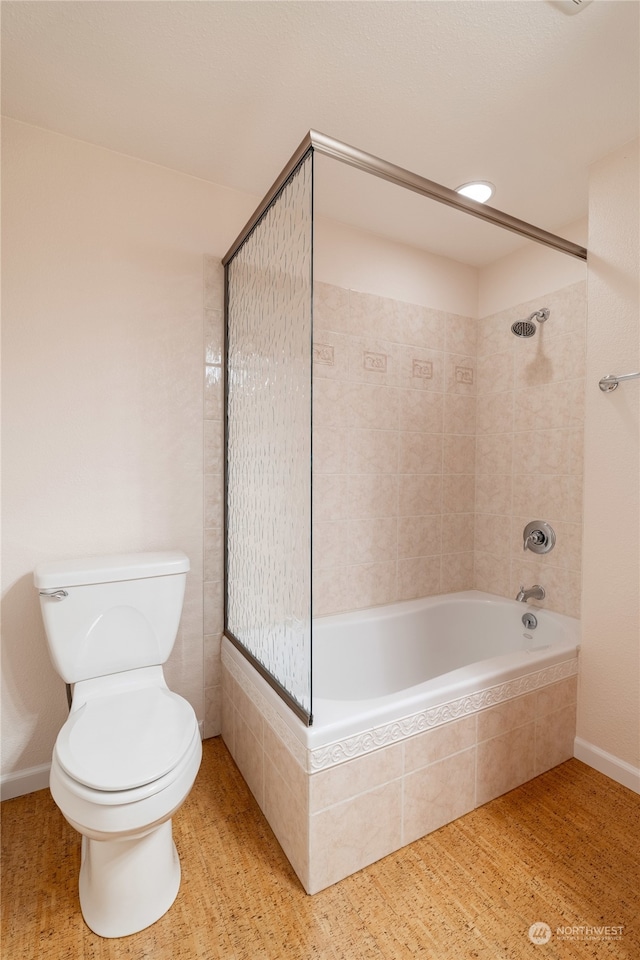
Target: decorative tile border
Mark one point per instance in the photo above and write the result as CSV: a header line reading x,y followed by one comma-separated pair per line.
x,y
464,375
374,361
423,369
373,739
323,353
312,761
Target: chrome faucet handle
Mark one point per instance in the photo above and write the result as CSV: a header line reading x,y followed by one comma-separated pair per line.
x,y
535,537
538,536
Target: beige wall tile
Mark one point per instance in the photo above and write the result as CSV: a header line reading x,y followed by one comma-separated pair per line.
x,y
213,452
419,326
419,495
495,373
494,333
432,745
330,403
419,536
286,764
419,452
495,413
330,449
346,837
505,762
347,780
287,812
492,535
370,495
504,717
249,756
370,406
330,307
460,374
371,316
330,590
212,711
330,355
459,414
373,451
461,334
492,574
494,453
437,794
329,493
418,577
371,584
458,454
494,494
328,543
458,493
456,572
420,369
555,735
420,411
212,661
458,533
227,722
371,540
556,696
213,607
213,554
374,361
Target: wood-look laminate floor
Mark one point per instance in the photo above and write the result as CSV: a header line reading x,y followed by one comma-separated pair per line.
x,y
563,849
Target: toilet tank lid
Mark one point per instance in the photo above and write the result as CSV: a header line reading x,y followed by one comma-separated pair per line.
x,y
118,566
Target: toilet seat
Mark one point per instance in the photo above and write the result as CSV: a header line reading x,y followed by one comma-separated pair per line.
x,y
126,740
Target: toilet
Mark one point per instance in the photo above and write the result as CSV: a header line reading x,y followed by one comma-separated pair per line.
x,y
128,754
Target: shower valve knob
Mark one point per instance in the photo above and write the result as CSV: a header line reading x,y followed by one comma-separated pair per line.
x,y
538,536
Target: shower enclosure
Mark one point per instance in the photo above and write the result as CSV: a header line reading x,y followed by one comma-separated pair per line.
x,y
269,309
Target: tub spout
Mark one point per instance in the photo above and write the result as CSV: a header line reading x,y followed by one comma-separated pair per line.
x,y
536,592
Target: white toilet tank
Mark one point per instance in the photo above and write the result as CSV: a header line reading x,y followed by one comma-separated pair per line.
x,y
110,614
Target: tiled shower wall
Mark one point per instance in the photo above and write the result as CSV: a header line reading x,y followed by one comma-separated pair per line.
x,y
529,448
436,438
394,419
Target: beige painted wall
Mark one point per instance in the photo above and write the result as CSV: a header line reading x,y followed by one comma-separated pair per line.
x,y
102,390
609,693
356,260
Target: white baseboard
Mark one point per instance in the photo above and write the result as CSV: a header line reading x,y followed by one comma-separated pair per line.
x,y
24,781
619,770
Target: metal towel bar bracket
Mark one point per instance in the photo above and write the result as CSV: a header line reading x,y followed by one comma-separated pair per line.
x,y
610,382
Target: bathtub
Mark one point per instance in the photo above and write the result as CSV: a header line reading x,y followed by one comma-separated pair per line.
x,y
422,710
390,662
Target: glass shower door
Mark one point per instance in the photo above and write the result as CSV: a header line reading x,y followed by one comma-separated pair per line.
x,y
268,430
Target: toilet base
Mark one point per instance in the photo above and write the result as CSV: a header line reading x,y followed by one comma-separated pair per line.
x,y
126,885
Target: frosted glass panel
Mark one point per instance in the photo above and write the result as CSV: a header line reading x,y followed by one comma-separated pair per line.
x,y
269,440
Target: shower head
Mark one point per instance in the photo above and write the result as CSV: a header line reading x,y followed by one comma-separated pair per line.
x,y
527,328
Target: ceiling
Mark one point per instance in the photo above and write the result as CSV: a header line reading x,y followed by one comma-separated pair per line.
x,y
512,91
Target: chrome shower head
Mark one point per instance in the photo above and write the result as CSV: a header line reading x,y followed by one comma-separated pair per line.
x,y
527,328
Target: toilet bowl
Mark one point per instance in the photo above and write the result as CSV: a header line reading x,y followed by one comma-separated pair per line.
x,y
128,754
130,871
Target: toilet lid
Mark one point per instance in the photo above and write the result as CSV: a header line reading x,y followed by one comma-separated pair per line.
x,y
127,739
